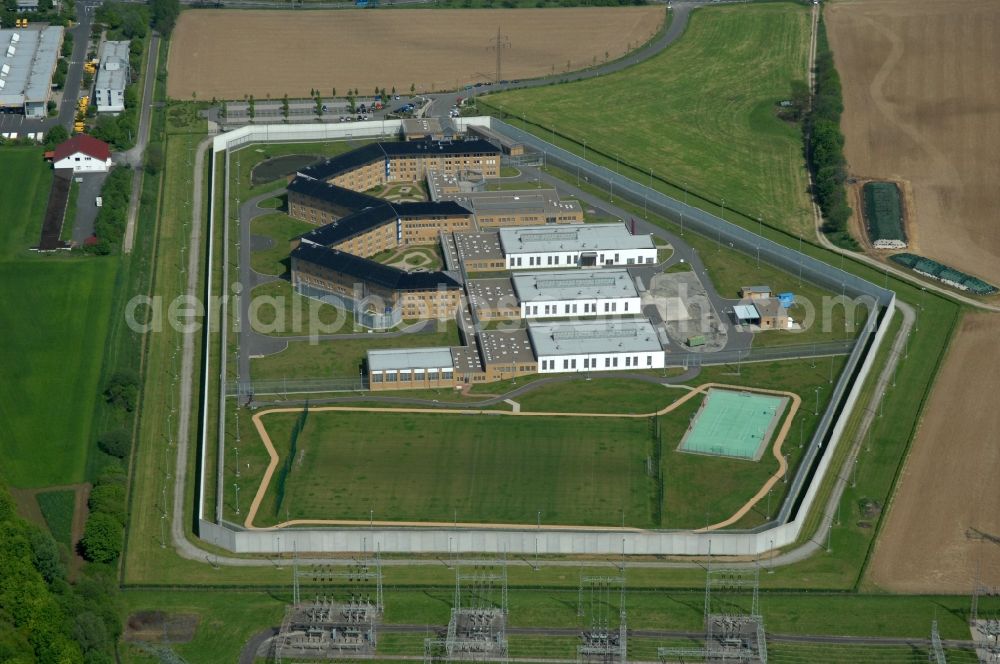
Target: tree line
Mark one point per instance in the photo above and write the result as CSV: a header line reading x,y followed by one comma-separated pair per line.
x,y
43,618
825,145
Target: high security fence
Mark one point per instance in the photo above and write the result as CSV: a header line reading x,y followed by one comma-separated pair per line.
x,y
600,541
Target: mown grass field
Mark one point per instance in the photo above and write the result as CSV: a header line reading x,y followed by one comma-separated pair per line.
x,y
701,113
424,467
54,321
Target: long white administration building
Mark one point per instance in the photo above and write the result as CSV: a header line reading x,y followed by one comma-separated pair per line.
x,y
578,245
611,345
576,293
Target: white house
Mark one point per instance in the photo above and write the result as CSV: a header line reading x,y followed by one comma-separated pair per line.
x,y
82,153
583,245
616,345
576,293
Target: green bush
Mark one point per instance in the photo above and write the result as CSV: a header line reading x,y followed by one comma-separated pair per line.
x,y
102,538
122,390
109,499
116,443
109,227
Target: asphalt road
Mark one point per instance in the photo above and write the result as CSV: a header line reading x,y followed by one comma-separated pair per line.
x,y
133,157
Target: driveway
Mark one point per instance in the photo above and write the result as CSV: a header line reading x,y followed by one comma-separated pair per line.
x,y
86,205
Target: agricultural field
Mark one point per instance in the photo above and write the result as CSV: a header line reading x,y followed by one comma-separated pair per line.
x,y
211,56
943,514
703,112
54,321
920,99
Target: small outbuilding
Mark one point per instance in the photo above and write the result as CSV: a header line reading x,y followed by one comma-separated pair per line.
x,y
83,154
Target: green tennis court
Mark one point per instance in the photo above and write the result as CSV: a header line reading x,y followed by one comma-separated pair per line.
x,y
733,424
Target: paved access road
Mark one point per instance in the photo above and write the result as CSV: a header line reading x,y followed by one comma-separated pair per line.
x,y
133,157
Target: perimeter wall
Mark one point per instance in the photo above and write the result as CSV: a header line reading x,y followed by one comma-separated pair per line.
x,y
784,531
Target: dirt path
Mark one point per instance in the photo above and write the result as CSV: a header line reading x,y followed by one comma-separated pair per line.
x,y
701,389
948,493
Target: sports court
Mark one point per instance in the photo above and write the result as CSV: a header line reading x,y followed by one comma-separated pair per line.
x,y
733,424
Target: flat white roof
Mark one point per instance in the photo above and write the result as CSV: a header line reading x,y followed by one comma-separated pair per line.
x,y
410,358
113,72
31,60
594,337
745,312
573,285
578,237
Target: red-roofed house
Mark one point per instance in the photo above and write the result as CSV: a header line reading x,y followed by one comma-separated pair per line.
x,y
84,154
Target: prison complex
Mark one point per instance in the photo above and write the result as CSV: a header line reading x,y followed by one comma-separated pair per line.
x,y
476,230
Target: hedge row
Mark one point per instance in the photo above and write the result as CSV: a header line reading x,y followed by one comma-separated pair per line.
x,y
825,143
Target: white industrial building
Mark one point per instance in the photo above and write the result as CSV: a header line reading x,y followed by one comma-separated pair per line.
x,y
112,77
609,345
27,61
579,245
576,293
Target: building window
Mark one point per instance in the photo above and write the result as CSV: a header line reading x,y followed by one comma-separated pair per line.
x,y
432,374
573,363
628,361
376,377
607,362
446,374
649,360
614,361
625,307
607,307
550,260
390,377
567,309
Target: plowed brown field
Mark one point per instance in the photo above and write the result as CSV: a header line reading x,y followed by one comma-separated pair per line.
x,y
230,53
948,494
922,105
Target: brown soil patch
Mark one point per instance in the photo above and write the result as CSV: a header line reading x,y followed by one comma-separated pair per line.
x,y
160,627
921,105
949,488
231,53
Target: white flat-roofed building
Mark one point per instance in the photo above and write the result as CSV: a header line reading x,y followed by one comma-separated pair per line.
x,y
112,77
27,61
617,345
576,293
579,245
411,368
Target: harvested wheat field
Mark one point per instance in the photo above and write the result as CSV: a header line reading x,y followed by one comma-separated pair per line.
x,y
948,493
229,54
922,106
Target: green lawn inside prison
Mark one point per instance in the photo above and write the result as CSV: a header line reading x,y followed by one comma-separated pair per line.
x,y
493,468
733,424
490,468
